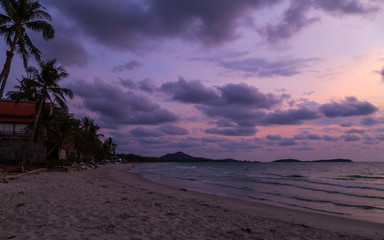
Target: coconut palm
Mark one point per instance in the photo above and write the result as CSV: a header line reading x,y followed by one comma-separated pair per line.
x,y
25,91
110,146
19,16
63,130
91,143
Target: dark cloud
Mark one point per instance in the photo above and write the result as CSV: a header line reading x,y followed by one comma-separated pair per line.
x,y
65,47
295,17
346,124
314,137
350,137
234,131
281,141
264,68
243,94
171,129
294,20
348,107
129,83
116,106
330,138
146,85
210,22
238,108
274,137
355,131
371,121
291,116
127,66
344,6
189,91
382,74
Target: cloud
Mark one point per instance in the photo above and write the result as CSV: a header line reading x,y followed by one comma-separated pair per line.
x,y
329,138
127,66
291,116
282,141
344,6
355,131
382,74
116,106
243,94
350,138
171,129
65,47
295,17
371,121
293,21
134,21
348,107
237,106
234,131
264,68
189,91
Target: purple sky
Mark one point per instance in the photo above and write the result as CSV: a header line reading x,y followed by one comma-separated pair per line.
x,y
245,79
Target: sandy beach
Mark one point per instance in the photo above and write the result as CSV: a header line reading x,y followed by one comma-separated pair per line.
x,y
110,203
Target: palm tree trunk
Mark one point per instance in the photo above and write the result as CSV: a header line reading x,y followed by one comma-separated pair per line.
x,y
7,65
23,161
37,118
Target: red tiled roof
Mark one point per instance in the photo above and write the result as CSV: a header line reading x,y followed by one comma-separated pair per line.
x,y
16,113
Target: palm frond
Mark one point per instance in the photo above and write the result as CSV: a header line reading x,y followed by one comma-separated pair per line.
x,y
41,26
4,19
31,48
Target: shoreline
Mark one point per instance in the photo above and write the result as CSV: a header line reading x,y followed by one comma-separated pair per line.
x,y
111,202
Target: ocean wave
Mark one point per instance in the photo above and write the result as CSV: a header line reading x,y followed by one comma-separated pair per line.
x,y
364,177
224,184
304,179
365,207
324,190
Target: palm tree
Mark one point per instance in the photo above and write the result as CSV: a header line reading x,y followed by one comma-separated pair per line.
x,y
63,130
110,146
19,16
90,142
45,81
45,84
25,91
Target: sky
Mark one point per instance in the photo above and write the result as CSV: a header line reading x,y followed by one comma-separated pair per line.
x,y
255,80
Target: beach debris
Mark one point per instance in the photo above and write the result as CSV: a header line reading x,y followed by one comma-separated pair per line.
x,y
183,189
248,230
19,204
4,180
110,227
12,237
21,192
41,225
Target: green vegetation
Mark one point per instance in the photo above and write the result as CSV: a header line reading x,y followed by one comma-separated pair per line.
x,y
19,16
54,128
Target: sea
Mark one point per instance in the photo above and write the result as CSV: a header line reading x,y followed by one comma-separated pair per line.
x,y
351,189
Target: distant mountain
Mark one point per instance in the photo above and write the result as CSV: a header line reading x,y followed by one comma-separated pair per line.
x,y
287,160
182,157
334,160
327,160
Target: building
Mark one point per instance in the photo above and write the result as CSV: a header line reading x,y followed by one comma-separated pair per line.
x,y
14,141
15,117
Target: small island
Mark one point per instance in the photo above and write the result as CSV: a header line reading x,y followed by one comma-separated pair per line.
x,y
289,160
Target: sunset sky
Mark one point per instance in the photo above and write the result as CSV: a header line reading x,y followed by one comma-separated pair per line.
x,y
244,79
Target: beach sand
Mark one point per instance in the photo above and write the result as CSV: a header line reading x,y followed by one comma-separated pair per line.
x,y
109,203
